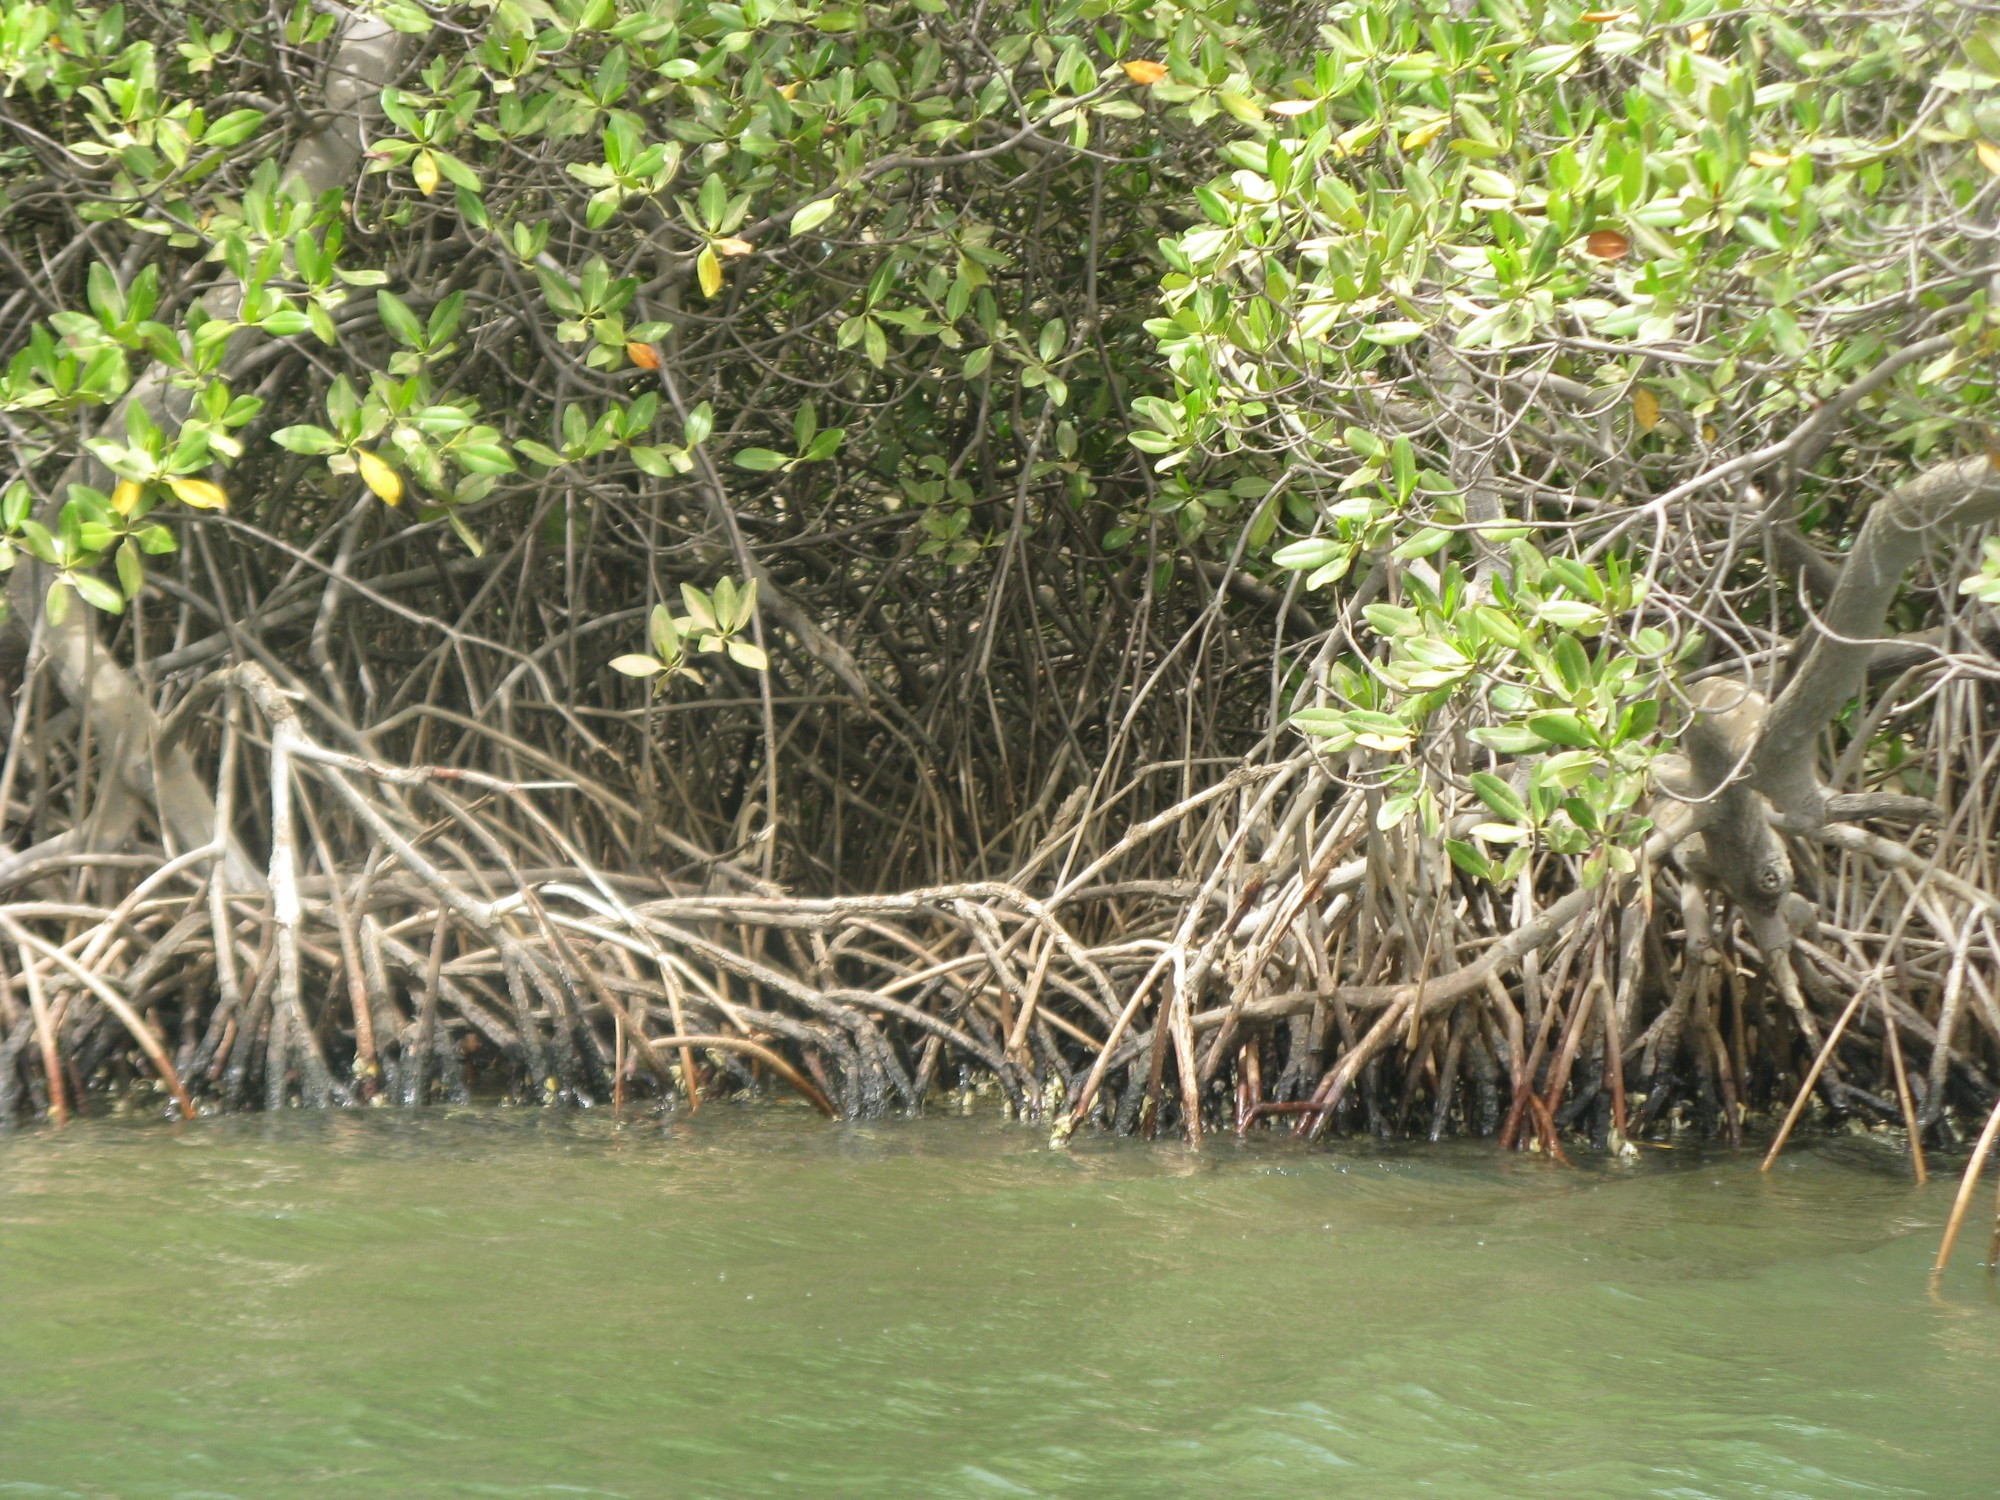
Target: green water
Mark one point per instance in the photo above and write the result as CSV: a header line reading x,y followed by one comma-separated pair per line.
x,y
754,1303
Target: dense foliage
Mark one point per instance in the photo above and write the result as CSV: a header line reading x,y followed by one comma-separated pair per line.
x,y
1296,508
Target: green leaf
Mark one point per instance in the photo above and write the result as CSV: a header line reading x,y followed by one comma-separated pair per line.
x,y
760,460
399,320
1469,859
1390,619
665,634
97,593
1365,443
1563,729
1638,720
483,458
1313,552
1509,739
1499,796
813,215
309,440
541,453
1393,334
131,569
699,607
233,129
700,423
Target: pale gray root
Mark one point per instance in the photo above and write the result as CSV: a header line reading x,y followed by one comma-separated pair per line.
x,y
1841,643
1750,765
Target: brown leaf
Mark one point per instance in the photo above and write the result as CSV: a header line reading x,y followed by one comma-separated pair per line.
x,y
645,356
1607,244
1144,70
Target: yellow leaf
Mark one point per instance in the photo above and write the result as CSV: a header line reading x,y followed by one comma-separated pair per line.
x,y
1424,134
1770,159
1700,35
1293,106
1645,409
730,245
379,477
709,270
124,497
199,493
1989,156
425,169
1144,70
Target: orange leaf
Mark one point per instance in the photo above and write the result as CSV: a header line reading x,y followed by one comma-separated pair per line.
x,y
730,245
1645,409
645,356
1293,106
1144,70
1607,244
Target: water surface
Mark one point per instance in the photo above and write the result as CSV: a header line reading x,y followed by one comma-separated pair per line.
x,y
751,1303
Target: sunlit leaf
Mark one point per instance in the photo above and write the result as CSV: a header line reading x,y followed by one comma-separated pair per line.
x,y
379,477
1424,134
813,215
202,494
